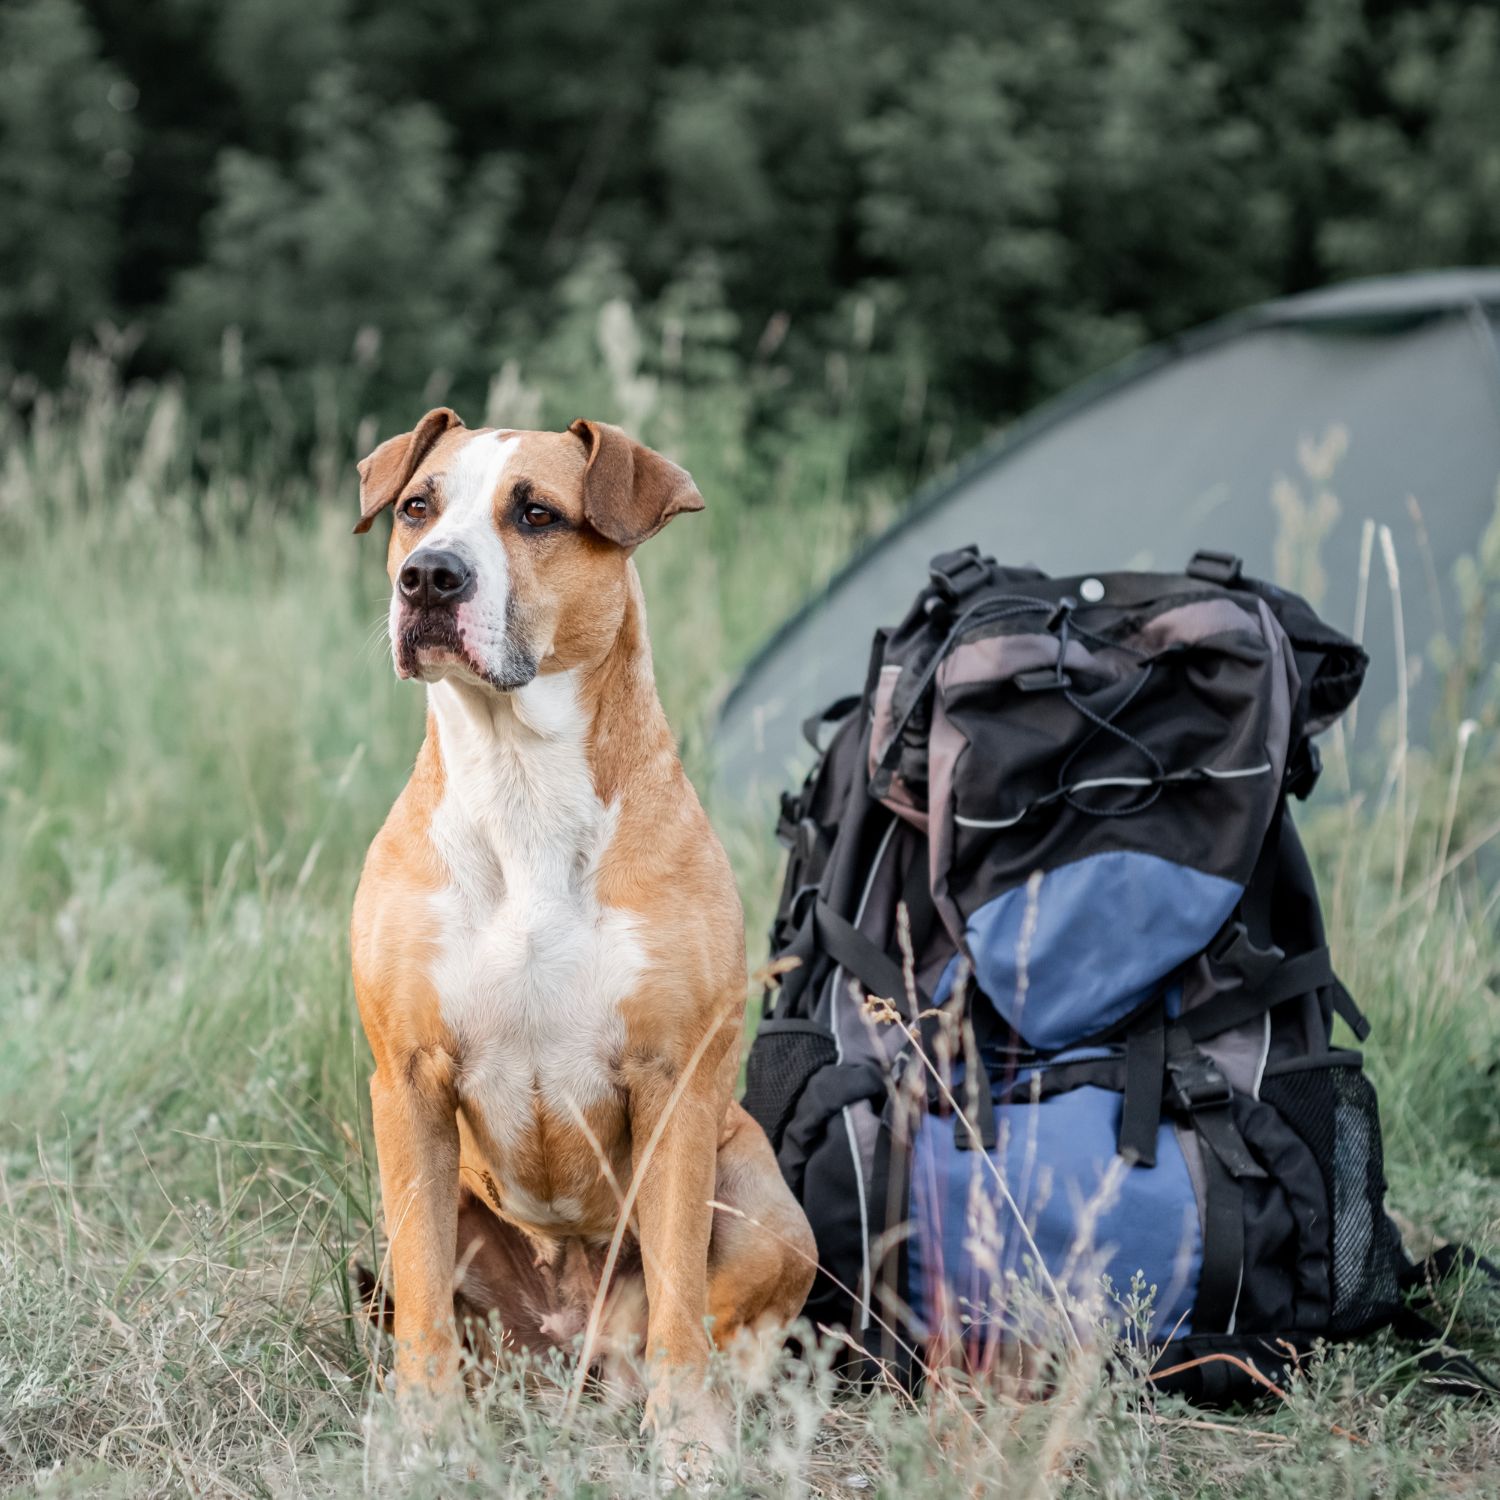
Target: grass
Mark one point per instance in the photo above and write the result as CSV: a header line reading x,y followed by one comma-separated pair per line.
x,y
200,731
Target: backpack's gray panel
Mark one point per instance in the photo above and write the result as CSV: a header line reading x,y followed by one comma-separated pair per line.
x,y
855,1035
1241,1054
1142,469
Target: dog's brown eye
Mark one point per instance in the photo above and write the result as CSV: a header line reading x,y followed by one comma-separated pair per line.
x,y
536,516
415,509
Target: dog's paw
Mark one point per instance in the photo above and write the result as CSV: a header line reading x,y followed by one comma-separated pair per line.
x,y
691,1429
686,1466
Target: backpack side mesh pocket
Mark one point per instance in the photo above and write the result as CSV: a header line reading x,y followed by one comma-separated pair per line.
x,y
785,1056
1331,1105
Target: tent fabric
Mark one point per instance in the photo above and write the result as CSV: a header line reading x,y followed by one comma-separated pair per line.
x,y
1181,448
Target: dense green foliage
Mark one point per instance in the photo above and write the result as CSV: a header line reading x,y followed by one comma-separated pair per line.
x,y
384,200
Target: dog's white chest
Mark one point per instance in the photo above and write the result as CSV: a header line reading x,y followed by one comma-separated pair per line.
x,y
530,968
531,993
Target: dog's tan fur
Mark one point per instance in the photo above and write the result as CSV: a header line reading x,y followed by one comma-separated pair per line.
x,y
450,1188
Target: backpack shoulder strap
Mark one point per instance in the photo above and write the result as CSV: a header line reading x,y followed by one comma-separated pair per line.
x,y
1454,1372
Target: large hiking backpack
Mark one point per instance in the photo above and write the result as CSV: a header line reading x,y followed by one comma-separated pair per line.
x,y
1051,840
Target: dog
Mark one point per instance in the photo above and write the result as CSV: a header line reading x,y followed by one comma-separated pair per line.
x,y
547,942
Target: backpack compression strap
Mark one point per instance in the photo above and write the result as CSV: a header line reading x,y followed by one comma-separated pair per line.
x,y
1452,1370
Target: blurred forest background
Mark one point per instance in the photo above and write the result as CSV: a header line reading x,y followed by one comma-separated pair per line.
x,y
321,210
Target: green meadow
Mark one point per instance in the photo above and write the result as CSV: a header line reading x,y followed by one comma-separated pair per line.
x,y
199,733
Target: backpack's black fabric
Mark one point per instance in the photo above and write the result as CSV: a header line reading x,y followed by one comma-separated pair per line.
x,y
1056,814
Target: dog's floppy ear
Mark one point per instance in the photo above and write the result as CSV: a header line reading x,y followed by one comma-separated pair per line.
x,y
384,473
630,492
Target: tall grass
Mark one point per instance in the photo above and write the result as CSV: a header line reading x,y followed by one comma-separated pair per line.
x,y
199,733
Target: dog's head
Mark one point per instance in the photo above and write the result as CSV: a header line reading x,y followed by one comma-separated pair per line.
x,y
510,551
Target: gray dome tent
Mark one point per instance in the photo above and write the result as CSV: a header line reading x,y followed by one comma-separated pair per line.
x,y
1390,386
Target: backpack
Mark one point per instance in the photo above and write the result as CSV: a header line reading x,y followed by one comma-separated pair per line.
x,y
1054,1000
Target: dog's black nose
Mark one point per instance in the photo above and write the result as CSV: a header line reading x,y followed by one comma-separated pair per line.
x,y
432,576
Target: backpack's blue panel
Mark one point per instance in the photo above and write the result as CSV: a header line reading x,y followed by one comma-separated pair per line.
x,y
1106,931
1053,1158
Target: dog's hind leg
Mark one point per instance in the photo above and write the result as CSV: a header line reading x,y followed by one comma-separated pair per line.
x,y
533,1294
762,1255
501,1280
504,1288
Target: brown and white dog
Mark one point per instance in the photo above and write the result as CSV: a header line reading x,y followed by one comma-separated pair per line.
x,y
548,948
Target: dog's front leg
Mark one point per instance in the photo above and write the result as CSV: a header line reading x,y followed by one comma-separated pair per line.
x,y
675,1142
416,1140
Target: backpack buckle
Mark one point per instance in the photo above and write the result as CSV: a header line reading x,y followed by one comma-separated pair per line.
x,y
1216,567
1234,951
1198,1084
1042,679
1303,770
806,840
957,573
790,817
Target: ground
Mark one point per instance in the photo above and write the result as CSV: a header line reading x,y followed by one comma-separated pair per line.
x,y
200,730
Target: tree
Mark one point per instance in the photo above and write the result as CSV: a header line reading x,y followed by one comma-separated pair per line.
x,y
1004,197
372,252
66,144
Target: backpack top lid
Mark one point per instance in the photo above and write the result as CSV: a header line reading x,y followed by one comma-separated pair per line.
x,y
1096,763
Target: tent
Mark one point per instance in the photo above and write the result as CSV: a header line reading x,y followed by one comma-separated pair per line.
x,y
1275,434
